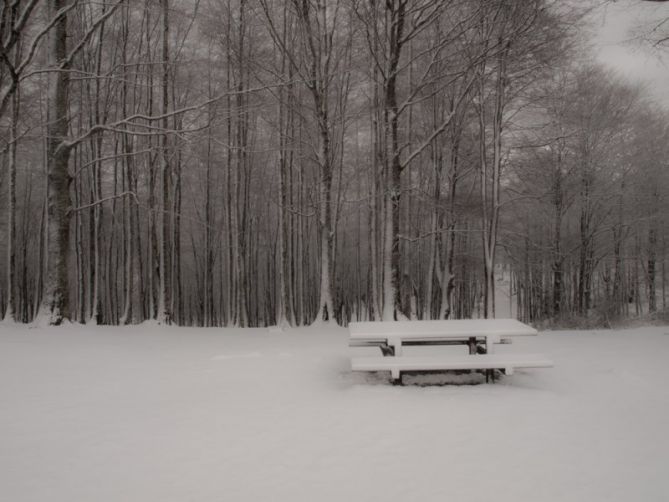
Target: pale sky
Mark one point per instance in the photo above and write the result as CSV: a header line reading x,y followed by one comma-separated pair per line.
x,y
616,26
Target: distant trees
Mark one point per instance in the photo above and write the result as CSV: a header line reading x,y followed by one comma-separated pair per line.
x,y
589,178
654,32
317,56
521,41
253,162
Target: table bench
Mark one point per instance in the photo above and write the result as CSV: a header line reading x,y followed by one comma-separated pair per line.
x,y
480,335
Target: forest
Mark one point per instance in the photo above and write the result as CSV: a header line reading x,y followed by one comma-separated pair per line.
x,y
265,162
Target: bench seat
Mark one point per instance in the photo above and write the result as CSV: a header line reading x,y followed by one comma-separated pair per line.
x,y
506,362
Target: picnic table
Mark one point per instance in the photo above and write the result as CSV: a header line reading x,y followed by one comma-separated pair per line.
x,y
480,335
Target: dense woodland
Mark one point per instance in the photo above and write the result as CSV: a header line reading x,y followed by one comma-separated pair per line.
x,y
261,162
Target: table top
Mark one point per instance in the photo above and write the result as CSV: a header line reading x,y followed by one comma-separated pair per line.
x,y
439,329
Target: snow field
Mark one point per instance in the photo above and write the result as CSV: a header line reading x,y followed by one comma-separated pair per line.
x,y
183,414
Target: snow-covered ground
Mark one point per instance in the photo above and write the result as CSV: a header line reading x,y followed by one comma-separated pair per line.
x,y
165,414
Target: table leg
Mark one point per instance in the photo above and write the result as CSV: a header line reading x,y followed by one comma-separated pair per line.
x,y
396,345
396,376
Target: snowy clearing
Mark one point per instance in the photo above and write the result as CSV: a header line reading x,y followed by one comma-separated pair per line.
x,y
180,414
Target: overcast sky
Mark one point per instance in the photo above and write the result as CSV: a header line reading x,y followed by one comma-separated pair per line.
x,y
616,25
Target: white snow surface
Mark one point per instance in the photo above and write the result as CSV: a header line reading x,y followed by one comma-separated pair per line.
x,y
153,413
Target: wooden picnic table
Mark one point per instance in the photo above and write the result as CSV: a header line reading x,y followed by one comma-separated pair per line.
x,y
438,332
476,333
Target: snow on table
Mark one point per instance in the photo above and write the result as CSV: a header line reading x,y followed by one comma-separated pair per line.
x,y
166,414
458,328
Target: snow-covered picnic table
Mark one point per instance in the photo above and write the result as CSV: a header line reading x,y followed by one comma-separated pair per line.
x,y
480,334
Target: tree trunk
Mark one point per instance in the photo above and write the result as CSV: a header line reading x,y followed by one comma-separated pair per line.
x,y
10,311
164,316
651,268
56,299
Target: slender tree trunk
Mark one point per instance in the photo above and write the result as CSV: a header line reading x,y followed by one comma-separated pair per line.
x,y
448,240
285,304
651,267
164,316
490,189
558,260
208,272
10,311
56,299
392,293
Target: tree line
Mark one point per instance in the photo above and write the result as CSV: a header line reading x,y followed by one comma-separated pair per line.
x,y
261,162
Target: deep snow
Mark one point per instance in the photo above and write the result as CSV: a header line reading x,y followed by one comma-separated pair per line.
x,y
167,414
